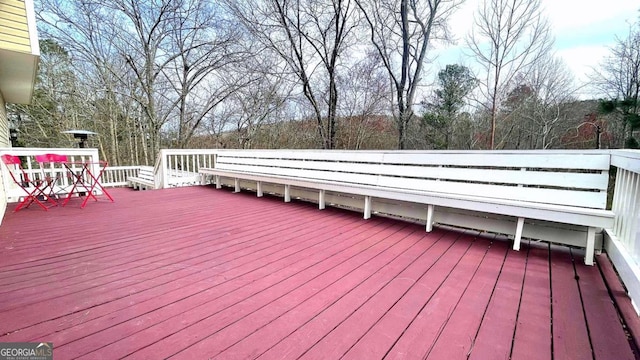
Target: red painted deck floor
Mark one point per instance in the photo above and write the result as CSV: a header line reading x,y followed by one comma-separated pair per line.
x,y
195,273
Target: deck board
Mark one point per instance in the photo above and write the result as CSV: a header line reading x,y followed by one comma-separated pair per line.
x,y
457,338
186,310
608,338
291,292
532,338
304,337
494,337
439,304
570,334
198,272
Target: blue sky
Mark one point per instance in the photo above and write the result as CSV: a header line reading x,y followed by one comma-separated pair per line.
x,y
583,30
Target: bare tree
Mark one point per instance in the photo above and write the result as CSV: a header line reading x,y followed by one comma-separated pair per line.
x,y
81,29
147,65
54,108
309,36
533,115
365,98
208,48
508,36
618,80
553,86
254,107
401,32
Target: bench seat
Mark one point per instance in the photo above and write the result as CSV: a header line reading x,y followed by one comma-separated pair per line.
x,y
549,212
544,197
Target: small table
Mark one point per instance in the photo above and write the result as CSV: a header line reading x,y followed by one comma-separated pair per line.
x,y
80,171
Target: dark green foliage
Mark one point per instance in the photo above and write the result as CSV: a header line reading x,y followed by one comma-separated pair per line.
x,y
627,109
607,106
634,121
455,82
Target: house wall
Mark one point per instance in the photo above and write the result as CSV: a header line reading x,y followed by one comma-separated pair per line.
x,y
4,125
14,32
4,143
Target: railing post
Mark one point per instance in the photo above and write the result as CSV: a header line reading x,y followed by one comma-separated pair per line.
x,y
5,182
161,172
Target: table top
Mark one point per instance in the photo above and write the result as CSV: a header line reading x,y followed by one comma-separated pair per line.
x,y
99,162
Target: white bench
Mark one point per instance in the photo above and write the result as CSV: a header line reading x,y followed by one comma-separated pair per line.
x,y
554,196
145,179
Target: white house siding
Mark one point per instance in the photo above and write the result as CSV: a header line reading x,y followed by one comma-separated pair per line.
x,y
14,32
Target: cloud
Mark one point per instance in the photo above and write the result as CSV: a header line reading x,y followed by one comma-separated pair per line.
x,y
580,15
582,60
584,31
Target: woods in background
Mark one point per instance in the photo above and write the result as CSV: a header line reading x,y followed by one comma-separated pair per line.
x,y
333,74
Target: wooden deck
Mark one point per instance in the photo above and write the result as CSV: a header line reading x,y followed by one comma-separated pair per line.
x,y
195,273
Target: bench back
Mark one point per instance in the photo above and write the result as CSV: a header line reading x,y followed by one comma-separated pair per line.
x,y
572,178
146,173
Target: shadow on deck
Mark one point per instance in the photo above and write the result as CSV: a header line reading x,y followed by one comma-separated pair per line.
x,y
198,272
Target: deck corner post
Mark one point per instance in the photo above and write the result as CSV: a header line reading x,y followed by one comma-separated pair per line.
x,y
259,192
218,182
367,207
518,236
236,185
429,226
321,199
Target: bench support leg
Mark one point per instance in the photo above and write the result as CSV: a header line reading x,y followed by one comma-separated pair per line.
x,y
218,182
321,202
591,244
429,226
367,207
237,185
518,237
287,193
259,188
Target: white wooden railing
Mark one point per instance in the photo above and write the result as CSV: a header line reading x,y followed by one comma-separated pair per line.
x,y
179,167
33,170
623,241
114,176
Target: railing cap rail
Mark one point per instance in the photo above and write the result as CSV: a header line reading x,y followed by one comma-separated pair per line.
x,y
534,152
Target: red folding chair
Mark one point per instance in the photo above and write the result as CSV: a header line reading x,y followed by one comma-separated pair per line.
x,y
52,171
34,188
80,181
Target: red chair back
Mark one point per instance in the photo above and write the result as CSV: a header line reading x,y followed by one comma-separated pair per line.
x,y
11,160
56,158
